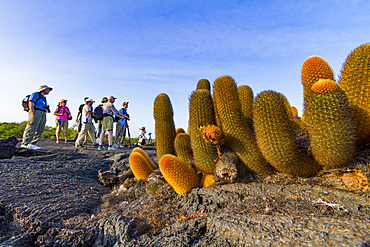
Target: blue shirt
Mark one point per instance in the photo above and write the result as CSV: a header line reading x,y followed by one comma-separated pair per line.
x,y
39,102
123,121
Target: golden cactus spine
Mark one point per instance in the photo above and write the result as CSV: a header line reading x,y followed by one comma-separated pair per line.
x,y
201,115
276,136
355,81
165,131
150,162
181,176
204,84
239,135
246,101
140,166
330,125
183,148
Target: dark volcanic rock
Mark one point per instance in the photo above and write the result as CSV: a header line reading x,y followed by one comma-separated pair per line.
x,y
7,147
54,198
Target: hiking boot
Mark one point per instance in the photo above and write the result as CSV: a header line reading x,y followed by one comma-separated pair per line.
x,y
85,142
79,146
100,148
96,145
112,148
24,146
34,147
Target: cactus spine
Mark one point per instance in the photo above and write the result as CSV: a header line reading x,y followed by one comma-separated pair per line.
x,y
330,125
239,135
181,176
201,115
140,166
246,100
355,81
183,148
276,136
165,131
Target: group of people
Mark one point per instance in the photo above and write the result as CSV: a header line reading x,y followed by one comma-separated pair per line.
x,y
38,108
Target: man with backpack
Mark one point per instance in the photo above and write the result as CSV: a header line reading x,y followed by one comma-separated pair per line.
x,y
87,124
98,116
37,108
107,122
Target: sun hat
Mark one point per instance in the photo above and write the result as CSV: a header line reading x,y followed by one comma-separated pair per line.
x,y
111,97
43,87
89,100
63,100
104,99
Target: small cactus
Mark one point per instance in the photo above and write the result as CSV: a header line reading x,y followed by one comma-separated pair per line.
x,y
208,180
204,84
165,131
181,176
183,148
140,166
314,69
150,162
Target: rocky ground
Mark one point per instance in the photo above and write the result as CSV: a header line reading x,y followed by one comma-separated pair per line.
x,y
53,197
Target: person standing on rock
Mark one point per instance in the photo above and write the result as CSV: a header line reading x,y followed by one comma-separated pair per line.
x,y
63,114
78,119
121,124
87,123
107,123
36,117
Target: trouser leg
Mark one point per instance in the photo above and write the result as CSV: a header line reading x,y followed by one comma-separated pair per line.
x,y
91,132
82,134
40,127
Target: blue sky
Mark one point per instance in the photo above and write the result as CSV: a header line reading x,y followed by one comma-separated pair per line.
x,y
136,50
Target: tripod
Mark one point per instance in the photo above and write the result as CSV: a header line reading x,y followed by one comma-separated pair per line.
x,y
124,134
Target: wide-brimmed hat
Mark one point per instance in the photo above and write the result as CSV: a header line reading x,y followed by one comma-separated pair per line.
x,y
104,99
111,97
43,87
63,100
142,128
89,100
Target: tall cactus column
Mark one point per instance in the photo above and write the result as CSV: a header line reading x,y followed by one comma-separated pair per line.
x,y
276,138
201,115
165,132
355,81
238,134
330,125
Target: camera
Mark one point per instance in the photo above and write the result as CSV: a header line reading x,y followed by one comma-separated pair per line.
x,y
47,108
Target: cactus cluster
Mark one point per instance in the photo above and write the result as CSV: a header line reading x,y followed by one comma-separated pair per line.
x,y
232,134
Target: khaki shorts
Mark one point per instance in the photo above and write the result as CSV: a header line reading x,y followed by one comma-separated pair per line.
x,y
107,123
63,124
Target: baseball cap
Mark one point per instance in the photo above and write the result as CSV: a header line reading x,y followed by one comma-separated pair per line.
x,y
63,100
89,100
111,97
104,99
